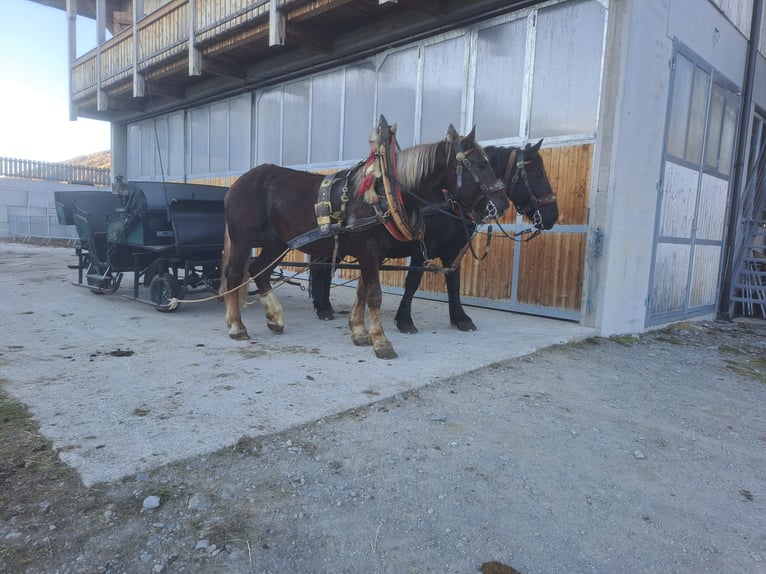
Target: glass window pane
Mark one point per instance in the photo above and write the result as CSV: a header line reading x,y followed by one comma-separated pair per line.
x,y
160,146
134,152
267,129
679,106
714,121
200,137
443,82
239,133
325,117
567,72
696,128
147,149
728,132
359,118
499,80
219,137
397,87
296,121
175,161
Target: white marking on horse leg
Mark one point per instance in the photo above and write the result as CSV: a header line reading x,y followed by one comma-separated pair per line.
x,y
380,344
237,329
359,334
275,319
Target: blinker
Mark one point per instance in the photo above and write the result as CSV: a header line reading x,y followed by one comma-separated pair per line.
x,y
496,186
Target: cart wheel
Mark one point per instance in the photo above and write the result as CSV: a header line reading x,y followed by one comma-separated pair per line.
x,y
163,288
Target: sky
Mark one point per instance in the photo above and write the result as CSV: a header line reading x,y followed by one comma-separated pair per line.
x,y
34,92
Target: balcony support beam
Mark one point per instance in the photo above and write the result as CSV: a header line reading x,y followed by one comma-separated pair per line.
x,y
138,78
195,56
277,25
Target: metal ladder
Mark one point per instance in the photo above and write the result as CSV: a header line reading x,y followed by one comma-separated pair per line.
x,y
749,281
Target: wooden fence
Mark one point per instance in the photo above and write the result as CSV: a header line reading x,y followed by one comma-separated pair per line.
x,y
69,173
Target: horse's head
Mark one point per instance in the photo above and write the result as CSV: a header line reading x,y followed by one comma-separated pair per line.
x,y
527,183
472,183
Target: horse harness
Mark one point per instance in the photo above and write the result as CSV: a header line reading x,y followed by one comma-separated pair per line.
x,y
516,170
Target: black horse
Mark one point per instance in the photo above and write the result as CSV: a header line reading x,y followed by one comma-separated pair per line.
x,y
448,235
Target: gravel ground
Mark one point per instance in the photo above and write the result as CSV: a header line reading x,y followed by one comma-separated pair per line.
x,y
630,454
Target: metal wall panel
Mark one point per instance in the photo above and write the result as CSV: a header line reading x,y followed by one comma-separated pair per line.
x,y
679,199
704,277
671,269
712,211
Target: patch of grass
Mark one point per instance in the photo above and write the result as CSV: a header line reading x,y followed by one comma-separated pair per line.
x,y
11,412
729,350
754,368
625,340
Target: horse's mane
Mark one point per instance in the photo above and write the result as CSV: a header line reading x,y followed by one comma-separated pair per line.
x,y
498,157
415,164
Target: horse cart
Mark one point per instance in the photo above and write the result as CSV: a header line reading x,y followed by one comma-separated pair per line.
x,y
168,235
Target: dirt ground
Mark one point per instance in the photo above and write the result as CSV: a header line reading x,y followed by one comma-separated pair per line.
x,y
630,454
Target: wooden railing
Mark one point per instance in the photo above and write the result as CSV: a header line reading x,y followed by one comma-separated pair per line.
x,y
70,173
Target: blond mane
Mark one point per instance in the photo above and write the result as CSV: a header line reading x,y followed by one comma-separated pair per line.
x,y
415,164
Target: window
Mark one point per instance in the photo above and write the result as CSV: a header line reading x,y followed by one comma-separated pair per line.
x,y
359,111
443,84
268,127
567,73
326,99
156,148
397,90
500,74
296,123
220,137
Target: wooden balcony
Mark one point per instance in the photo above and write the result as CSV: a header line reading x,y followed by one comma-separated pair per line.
x,y
188,50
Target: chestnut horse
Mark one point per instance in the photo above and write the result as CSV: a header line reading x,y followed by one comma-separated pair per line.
x,y
276,209
447,236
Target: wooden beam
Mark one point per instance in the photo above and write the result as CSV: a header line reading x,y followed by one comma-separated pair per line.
x,y
428,6
165,90
314,8
139,85
277,22
100,22
102,100
195,56
120,21
224,70
129,104
138,79
310,37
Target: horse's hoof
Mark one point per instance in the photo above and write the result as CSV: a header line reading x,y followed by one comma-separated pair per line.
x,y
278,329
406,327
465,325
239,335
361,340
385,352
325,315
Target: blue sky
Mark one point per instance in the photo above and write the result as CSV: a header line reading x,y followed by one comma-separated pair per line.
x,y
34,98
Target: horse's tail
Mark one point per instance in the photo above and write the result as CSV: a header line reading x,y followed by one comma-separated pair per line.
x,y
225,262
225,255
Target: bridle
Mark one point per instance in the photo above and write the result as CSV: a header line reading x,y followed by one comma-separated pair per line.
x,y
487,185
515,171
